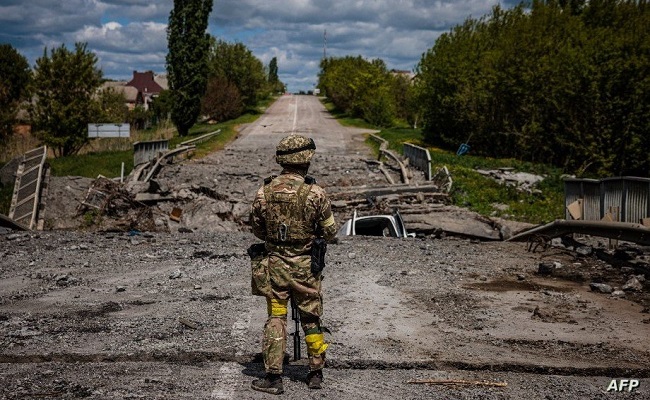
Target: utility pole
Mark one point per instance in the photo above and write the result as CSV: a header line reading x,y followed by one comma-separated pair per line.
x,y
325,44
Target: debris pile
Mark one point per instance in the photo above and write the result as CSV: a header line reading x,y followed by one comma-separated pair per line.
x,y
621,272
108,206
522,181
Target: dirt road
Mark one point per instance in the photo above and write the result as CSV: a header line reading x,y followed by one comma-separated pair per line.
x,y
169,316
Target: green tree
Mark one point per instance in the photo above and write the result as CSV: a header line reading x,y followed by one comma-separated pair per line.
x,y
237,64
222,100
274,81
161,106
559,82
15,75
112,105
187,66
361,88
64,85
139,118
273,71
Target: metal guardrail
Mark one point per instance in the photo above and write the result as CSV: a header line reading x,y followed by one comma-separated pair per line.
x,y
200,139
144,152
419,157
26,198
383,151
626,199
383,144
630,232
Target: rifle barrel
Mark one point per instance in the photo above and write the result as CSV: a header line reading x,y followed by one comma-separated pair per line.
x,y
295,315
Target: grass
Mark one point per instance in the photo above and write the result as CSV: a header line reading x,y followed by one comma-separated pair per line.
x,y
481,194
91,165
345,119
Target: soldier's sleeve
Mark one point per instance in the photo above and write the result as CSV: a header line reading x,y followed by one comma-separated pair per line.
x,y
326,223
257,215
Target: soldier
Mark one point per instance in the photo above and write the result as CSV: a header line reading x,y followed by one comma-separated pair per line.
x,y
289,212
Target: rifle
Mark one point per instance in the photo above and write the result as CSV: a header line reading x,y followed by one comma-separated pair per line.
x,y
318,250
295,316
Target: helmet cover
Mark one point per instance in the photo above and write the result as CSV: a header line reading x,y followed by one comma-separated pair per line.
x,y
295,149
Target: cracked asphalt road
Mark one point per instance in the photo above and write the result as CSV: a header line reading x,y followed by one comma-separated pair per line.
x,y
169,316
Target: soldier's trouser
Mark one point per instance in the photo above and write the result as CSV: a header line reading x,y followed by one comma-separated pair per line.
x,y
274,343
275,337
291,276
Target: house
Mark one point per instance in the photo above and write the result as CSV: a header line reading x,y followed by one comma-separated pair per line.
x,y
131,95
148,85
140,90
404,73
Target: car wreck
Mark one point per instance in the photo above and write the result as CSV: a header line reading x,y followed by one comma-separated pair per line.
x,y
375,225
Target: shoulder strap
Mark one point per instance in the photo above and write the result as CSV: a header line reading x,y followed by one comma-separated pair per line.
x,y
301,199
267,195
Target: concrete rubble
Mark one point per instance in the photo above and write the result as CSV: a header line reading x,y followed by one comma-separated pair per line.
x,y
522,181
140,314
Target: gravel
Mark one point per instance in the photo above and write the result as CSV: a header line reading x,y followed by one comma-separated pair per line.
x,y
169,315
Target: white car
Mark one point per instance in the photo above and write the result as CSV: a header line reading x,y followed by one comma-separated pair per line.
x,y
375,225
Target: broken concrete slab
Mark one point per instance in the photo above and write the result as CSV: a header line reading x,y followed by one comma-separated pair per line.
x,y
459,224
64,196
7,222
365,191
207,214
152,197
614,230
523,181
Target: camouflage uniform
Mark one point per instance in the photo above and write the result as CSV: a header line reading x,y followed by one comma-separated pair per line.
x,y
288,213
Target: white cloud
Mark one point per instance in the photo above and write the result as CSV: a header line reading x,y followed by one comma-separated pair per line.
x,y
136,37
130,35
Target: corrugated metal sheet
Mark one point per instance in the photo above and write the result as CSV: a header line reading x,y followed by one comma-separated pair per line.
x,y
612,190
591,191
626,198
637,201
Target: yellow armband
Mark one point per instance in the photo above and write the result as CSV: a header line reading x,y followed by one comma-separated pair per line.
x,y
328,222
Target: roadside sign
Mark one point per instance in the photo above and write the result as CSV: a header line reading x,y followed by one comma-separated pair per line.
x,y
109,130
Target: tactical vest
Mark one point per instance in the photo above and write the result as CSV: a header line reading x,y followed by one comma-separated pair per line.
x,y
286,221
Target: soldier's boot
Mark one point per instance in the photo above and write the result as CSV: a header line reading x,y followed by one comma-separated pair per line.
x,y
271,383
315,379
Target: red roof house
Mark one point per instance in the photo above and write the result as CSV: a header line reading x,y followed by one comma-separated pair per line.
x,y
145,83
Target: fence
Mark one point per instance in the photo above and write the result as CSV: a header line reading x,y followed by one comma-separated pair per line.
x,y
28,188
627,198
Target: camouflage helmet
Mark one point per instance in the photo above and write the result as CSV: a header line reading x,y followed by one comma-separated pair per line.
x,y
295,149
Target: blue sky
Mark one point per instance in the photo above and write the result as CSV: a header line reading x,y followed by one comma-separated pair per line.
x,y
130,35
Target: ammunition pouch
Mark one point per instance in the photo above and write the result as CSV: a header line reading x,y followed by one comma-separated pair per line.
x,y
318,250
260,279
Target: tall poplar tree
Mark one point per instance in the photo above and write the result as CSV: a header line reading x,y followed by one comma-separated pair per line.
x,y
273,70
187,67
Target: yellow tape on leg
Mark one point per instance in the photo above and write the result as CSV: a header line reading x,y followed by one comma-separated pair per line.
x,y
316,344
276,307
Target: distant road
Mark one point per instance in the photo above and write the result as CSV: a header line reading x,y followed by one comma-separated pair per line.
x,y
303,115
